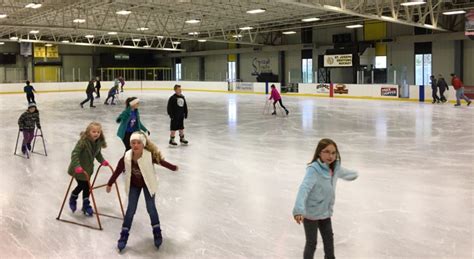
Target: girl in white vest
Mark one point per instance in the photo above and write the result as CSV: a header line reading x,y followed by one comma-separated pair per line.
x,y
137,165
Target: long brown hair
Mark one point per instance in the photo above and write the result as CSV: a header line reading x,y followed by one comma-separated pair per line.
x,y
151,147
323,143
85,134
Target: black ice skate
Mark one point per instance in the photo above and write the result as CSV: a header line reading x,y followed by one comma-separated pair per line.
x,y
122,242
172,142
182,140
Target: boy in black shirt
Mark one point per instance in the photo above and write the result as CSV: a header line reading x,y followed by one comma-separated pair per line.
x,y
178,111
28,89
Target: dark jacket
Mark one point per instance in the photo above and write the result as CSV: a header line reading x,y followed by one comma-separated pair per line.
x,y
28,89
434,84
442,85
83,155
177,107
124,119
28,120
90,88
97,84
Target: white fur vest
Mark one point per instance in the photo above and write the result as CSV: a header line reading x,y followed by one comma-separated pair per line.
x,y
146,168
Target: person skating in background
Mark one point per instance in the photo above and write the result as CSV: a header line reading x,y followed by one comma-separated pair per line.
x,y
316,197
27,122
29,90
97,87
178,111
111,94
122,82
138,167
90,97
434,89
459,87
130,121
275,95
87,149
443,86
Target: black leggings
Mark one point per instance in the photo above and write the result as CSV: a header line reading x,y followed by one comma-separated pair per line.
x,y
126,140
311,231
82,186
30,98
281,103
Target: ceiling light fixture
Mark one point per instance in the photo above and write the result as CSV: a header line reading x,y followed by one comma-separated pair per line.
x,y
311,19
237,36
89,36
123,12
354,26
112,33
449,12
3,16
202,40
160,37
193,33
193,21
14,38
256,11
34,31
33,5
176,42
79,20
65,41
289,32
142,29
109,43
136,40
147,46
246,28
413,2
48,45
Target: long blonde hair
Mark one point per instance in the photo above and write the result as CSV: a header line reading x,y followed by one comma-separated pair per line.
x,y
85,135
151,147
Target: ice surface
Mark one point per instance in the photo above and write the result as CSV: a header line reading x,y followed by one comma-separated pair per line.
x,y
238,179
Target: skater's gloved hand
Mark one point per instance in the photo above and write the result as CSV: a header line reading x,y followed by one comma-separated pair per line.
x,y
108,188
149,132
104,163
78,170
299,218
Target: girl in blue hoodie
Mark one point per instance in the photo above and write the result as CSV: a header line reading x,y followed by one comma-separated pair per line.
x,y
316,196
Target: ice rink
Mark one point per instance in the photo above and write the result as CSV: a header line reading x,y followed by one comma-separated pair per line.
x,y
234,193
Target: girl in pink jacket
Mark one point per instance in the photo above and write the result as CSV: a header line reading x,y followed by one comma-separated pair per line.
x,y
275,95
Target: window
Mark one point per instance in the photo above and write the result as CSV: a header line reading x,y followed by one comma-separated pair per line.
x,y
381,62
422,69
231,70
307,70
178,71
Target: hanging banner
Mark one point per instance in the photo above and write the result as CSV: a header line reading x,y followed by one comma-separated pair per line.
x,y
52,52
344,60
40,51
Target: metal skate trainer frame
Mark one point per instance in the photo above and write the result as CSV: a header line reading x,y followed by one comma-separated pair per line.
x,y
96,211
33,147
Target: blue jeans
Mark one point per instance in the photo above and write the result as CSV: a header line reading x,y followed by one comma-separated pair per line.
x,y
133,196
460,94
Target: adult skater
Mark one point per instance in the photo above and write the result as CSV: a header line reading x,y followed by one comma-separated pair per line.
x,y
443,86
129,121
29,90
97,87
459,87
90,97
316,196
138,166
178,111
275,95
434,89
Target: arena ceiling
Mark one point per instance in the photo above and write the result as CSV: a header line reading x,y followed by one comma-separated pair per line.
x,y
164,24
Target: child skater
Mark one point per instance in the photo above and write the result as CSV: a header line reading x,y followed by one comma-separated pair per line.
x,y
111,94
129,121
27,122
178,111
29,89
90,94
86,150
275,95
316,196
137,165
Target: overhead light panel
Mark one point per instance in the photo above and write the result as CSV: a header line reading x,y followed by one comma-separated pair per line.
x,y
109,43
310,19
2,43
289,32
48,45
256,11
147,46
160,37
89,36
202,40
3,16
136,40
34,31
176,42
65,41
246,28
193,33
354,26
193,21
33,5
142,29
237,36
112,33
413,2
79,20
449,12
14,38
123,12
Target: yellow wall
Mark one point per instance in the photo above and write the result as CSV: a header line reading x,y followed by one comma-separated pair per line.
x,y
47,73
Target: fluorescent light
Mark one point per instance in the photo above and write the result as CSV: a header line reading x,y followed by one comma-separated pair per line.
x,y
79,20
193,33
237,36
136,40
388,18
429,26
36,6
2,43
147,46
354,26
246,28
449,12
413,2
176,42
255,11
160,37
48,45
14,38
123,12
311,19
112,33
65,41
3,16
89,36
109,43
193,21
202,40
34,31
289,32
142,29
33,5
